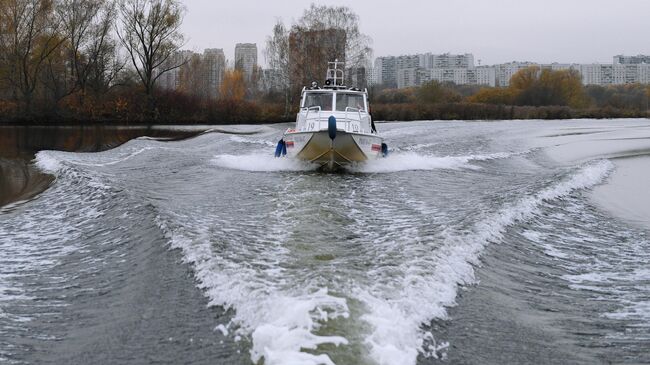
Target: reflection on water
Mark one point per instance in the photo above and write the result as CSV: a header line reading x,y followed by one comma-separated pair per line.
x,y
19,180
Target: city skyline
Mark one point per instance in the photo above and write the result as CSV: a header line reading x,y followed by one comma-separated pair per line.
x,y
560,31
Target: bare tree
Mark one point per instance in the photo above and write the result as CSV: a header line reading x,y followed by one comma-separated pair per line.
x,y
30,36
102,52
322,34
193,78
277,57
87,25
322,17
150,33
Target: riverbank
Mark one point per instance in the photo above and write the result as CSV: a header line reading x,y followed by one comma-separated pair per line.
x,y
251,113
478,111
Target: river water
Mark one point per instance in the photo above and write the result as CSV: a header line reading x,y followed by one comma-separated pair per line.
x,y
472,243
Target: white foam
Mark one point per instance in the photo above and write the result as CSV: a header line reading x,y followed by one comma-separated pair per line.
x,y
223,329
54,161
293,320
241,139
280,323
47,163
411,161
636,311
532,236
430,284
241,129
261,163
282,316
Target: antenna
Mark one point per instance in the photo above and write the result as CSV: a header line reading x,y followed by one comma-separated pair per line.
x,y
335,76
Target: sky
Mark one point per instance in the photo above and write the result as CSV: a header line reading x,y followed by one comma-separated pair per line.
x,y
495,31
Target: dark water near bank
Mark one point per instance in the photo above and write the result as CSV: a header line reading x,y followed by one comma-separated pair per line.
x,y
19,180
473,243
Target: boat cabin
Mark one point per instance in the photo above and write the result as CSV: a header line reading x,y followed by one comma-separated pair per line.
x,y
339,100
348,106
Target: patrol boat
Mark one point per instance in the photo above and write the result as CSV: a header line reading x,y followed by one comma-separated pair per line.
x,y
333,127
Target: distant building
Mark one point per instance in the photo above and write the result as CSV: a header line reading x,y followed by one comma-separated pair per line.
x,y
412,76
215,66
615,74
505,71
246,59
200,75
644,74
413,70
631,60
482,75
447,60
408,62
170,80
386,71
372,76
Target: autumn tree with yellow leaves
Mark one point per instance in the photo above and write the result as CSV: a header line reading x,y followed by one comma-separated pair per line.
x,y
533,86
233,86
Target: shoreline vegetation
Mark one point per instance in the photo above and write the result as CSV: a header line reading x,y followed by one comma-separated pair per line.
x,y
386,105
80,62
252,113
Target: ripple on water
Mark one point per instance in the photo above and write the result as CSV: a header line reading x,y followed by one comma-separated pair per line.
x,y
315,268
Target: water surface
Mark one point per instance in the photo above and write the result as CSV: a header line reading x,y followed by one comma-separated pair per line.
x,y
475,243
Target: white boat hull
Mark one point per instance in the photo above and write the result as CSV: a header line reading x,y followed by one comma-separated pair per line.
x,y
331,154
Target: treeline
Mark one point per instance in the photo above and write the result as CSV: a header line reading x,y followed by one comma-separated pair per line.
x,y
79,61
532,94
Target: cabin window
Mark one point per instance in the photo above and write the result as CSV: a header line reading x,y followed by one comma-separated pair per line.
x,y
353,101
323,100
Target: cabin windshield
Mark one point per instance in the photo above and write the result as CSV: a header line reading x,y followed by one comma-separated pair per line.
x,y
354,101
323,100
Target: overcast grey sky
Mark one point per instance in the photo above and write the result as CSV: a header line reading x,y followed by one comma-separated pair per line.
x,y
495,31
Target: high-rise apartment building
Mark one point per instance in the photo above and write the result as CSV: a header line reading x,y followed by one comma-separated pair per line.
x,y
412,76
386,71
482,75
413,70
447,60
505,71
631,60
215,66
200,74
170,80
615,74
408,62
246,59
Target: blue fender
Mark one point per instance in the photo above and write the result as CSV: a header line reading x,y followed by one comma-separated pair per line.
x,y
331,127
281,148
384,149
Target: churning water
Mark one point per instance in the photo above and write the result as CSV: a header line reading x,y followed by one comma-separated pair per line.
x,y
468,244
